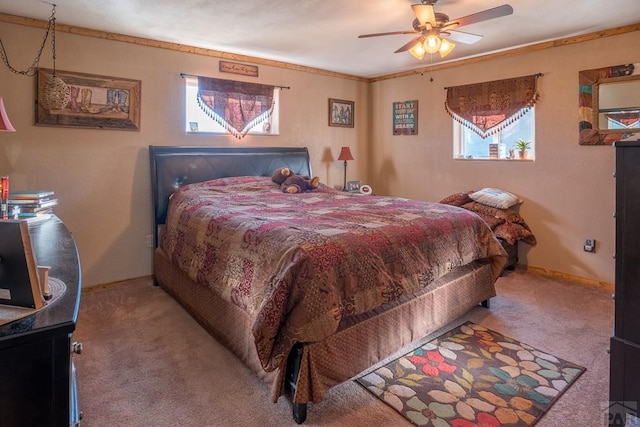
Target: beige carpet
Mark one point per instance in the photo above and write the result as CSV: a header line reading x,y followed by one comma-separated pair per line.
x,y
147,363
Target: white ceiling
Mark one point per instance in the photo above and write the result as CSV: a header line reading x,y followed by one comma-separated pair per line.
x,y
324,33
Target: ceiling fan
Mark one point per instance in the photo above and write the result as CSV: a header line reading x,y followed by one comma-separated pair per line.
x,y
435,30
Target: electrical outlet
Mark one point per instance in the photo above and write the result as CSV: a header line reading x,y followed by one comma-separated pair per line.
x,y
589,245
150,241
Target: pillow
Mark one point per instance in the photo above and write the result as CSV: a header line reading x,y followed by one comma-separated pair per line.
x,y
495,197
457,199
507,214
491,221
512,232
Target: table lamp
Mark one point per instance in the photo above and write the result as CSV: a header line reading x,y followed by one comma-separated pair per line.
x,y
345,154
5,124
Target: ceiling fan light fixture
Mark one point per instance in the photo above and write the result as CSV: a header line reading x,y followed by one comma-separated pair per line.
x,y
445,48
429,26
417,51
432,43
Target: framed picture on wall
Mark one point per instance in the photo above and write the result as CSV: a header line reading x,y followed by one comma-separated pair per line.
x,y
405,118
341,113
83,100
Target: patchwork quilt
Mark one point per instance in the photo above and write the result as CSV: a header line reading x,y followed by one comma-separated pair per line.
x,y
299,263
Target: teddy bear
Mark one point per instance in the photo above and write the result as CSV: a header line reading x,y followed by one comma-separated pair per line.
x,y
291,183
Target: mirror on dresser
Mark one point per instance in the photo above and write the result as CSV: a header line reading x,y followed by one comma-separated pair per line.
x,y
609,104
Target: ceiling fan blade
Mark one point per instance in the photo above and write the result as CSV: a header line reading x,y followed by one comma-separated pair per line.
x,y
424,13
391,33
462,37
485,15
409,45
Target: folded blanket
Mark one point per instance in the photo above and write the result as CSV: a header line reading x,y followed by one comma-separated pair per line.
x,y
507,224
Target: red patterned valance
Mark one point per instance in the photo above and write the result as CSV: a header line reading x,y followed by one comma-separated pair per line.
x,y
489,107
237,106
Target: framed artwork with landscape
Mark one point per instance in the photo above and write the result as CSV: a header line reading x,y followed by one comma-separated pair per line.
x,y
341,113
66,98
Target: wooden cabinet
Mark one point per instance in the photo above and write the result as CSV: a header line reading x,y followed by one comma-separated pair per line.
x,y
624,390
37,375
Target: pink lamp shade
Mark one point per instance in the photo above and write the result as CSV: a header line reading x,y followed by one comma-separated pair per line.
x,y
5,123
345,154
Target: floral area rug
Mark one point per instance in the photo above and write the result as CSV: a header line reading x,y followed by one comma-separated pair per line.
x,y
472,376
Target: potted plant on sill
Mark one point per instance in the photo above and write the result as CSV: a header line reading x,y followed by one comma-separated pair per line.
x,y
522,146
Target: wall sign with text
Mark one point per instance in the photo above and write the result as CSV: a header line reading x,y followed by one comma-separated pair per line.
x,y
405,118
237,68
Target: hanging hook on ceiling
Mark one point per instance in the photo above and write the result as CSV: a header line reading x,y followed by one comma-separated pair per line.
x,y
31,71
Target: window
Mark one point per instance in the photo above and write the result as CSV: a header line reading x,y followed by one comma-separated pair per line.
x,y
494,120
198,121
502,145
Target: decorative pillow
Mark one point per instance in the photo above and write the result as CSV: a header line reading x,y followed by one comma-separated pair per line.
x,y
483,209
508,215
457,199
512,232
495,197
491,221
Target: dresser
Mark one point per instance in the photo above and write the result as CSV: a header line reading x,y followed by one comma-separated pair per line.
x,y
37,373
624,390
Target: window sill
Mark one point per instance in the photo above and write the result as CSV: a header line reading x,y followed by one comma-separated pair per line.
x,y
487,159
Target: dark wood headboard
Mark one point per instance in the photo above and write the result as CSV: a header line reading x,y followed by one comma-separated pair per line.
x,y
175,166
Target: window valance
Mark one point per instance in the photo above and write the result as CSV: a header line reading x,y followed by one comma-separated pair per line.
x,y
489,107
237,106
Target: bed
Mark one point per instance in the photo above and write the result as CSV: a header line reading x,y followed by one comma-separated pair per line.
x,y
308,298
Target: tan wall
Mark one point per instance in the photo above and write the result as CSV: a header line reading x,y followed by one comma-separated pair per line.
x,y
101,177
568,191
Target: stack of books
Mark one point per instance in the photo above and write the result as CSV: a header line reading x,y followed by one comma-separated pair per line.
x,y
32,204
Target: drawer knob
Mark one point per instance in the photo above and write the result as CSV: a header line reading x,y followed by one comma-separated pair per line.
x,y
76,348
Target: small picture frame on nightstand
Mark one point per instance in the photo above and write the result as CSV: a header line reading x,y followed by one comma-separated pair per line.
x,y
19,285
354,186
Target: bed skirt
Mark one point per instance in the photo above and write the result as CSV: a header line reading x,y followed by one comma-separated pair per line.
x,y
348,352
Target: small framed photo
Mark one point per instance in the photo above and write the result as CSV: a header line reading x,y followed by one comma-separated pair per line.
x,y
19,284
341,113
354,186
